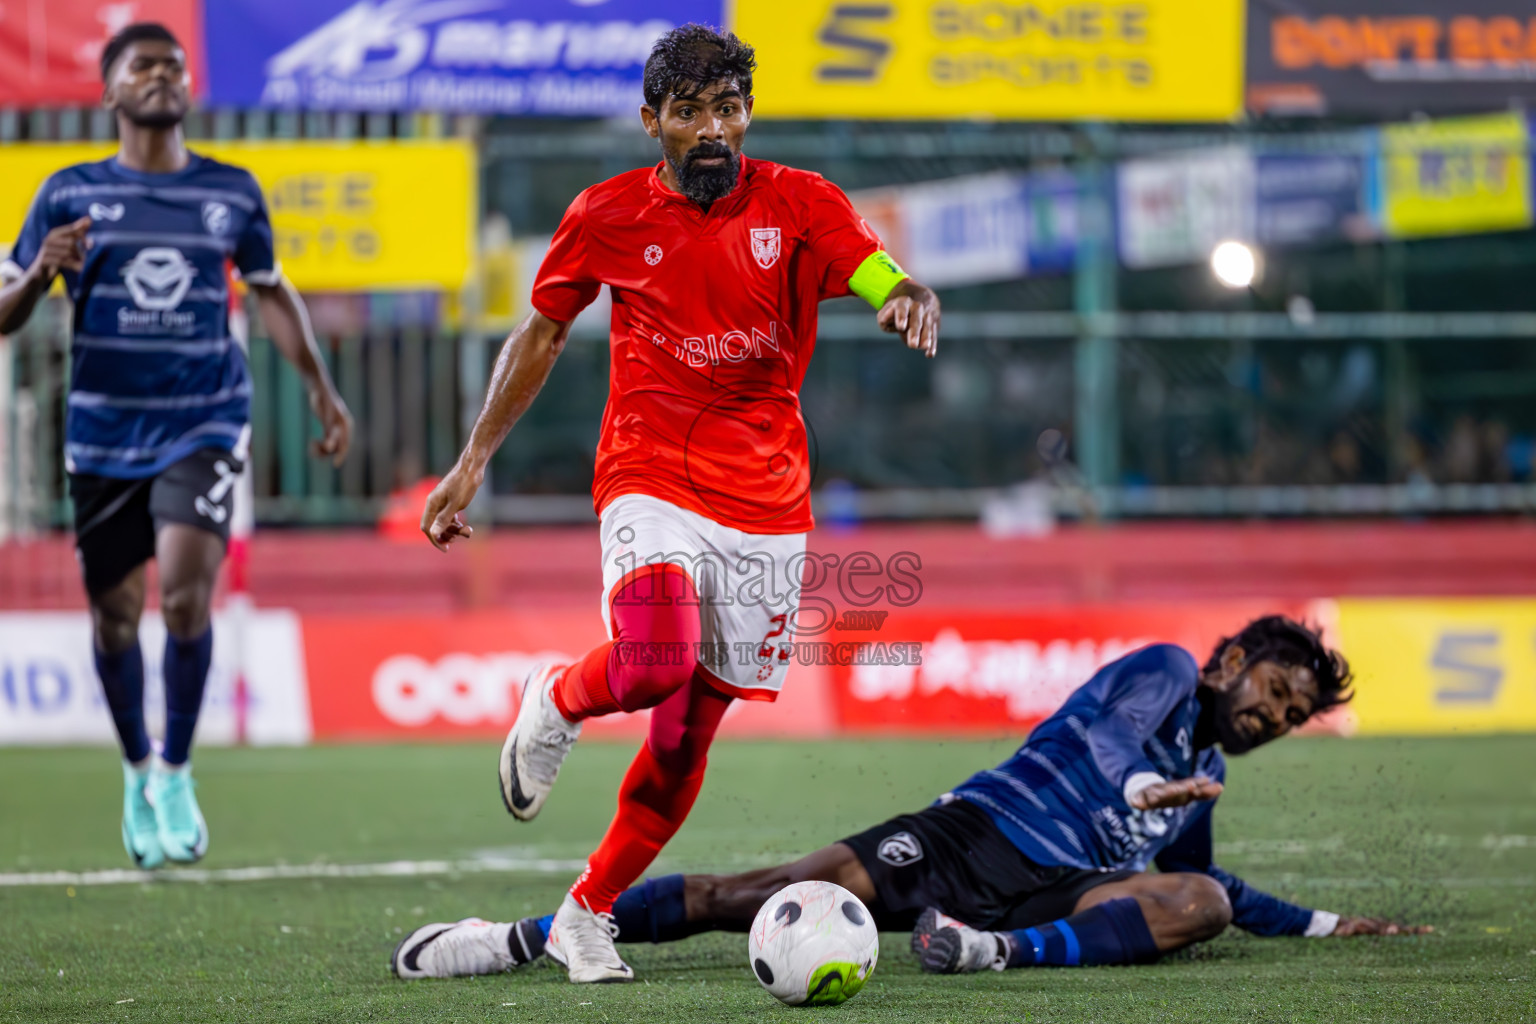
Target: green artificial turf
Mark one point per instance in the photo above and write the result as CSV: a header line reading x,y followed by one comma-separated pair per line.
x,y
1441,831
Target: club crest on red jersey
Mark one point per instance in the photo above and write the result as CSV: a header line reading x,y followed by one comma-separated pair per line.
x,y
765,246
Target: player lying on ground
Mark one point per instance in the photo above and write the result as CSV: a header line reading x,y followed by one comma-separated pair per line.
x,y
159,399
715,264
1042,860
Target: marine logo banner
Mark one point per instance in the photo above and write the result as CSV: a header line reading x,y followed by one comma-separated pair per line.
x,y
1154,60
491,56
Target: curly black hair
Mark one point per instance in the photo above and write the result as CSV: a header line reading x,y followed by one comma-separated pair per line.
x,y
686,60
1288,642
139,31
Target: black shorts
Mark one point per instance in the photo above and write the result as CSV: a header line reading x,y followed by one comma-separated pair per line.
x,y
951,856
116,520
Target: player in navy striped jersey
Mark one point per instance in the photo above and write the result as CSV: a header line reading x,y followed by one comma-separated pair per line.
x,y
1042,860
159,400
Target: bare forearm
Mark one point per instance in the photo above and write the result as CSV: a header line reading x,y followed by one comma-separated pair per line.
x,y
521,370
287,322
17,300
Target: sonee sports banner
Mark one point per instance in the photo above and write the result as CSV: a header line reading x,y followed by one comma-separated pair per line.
x,y
1153,60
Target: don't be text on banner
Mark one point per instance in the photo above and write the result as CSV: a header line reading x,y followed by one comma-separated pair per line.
x,y
345,216
1389,58
504,56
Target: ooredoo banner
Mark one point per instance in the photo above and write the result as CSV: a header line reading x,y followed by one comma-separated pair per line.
x,y
50,53
379,677
558,57
1389,58
986,671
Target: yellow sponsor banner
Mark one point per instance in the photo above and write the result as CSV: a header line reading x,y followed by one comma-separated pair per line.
x,y
345,216
1456,175
1153,60
1441,666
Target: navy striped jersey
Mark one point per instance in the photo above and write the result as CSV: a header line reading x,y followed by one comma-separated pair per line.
x,y
155,373
1061,797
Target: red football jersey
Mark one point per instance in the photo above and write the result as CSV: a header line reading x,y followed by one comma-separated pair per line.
x,y
714,321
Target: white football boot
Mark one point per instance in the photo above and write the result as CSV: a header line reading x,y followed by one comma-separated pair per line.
x,y
470,946
583,942
945,946
536,747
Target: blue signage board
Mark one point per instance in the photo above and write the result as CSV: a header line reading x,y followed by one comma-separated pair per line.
x,y
530,57
1309,199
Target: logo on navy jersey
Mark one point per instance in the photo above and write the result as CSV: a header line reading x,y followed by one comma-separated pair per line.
x,y
653,254
158,277
101,211
899,849
215,217
765,246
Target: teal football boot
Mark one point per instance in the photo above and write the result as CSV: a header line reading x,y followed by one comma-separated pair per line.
x,y
141,829
183,833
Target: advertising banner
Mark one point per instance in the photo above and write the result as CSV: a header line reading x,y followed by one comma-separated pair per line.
x,y
990,671
381,677
392,215
50,53
1157,60
1455,175
559,57
1305,200
977,228
49,692
1176,209
1437,666
958,231
1389,58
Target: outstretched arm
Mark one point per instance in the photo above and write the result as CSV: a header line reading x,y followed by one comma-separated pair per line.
x,y
521,370
286,320
1256,911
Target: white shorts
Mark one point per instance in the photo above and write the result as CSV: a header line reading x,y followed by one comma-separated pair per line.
x,y
748,586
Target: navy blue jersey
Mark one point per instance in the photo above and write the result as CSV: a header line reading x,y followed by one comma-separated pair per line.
x,y
1061,797
155,373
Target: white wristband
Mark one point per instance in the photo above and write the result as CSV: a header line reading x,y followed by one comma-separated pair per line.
x,y
1322,925
1140,781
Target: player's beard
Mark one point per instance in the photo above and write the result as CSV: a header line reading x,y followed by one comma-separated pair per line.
x,y
704,185
168,116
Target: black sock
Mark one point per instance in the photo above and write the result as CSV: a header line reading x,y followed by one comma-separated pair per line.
x,y
122,682
186,674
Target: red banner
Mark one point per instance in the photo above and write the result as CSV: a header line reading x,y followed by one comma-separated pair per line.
x,y
50,52
387,677
1003,672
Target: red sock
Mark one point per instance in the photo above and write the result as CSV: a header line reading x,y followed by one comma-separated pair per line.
x,y
656,634
582,690
653,804
658,792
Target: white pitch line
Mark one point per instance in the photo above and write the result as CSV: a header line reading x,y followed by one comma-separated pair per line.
x,y
272,872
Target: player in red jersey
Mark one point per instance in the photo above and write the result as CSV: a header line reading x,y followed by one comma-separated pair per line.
x,y
715,264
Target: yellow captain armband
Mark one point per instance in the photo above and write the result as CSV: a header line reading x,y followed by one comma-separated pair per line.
x,y
875,278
